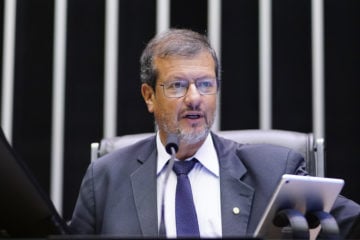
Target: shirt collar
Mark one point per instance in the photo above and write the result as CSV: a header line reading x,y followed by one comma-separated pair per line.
x,y
206,155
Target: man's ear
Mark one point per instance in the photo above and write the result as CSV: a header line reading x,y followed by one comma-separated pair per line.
x,y
149,96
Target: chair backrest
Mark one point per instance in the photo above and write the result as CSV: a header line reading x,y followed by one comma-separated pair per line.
x,y
311,149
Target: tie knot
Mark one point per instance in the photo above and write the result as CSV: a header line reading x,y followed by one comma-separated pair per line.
x,y
183,167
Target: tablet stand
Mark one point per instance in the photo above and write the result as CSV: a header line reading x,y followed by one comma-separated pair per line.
x,y
299,225
329,226
299,228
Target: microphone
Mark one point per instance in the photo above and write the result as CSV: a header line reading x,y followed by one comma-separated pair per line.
x,y
172,146
172,142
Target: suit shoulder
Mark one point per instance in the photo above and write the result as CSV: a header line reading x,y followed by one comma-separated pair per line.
x,y
260,148
272,158
127,155
267,152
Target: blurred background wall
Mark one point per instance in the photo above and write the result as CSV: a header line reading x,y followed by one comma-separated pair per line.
x,y
33,110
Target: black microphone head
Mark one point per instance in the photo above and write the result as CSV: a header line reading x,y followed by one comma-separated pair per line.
x,y
172,141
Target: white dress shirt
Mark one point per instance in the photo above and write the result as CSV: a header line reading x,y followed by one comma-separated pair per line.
x,y
205,185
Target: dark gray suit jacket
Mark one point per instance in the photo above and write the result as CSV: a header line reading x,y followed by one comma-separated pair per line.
x,y
118,192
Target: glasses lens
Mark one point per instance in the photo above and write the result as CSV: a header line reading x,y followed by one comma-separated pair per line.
x,y
176,88
206,86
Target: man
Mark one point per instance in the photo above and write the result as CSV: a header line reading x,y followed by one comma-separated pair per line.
x,y
231,184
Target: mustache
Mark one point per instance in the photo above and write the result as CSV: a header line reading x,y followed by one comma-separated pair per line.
x,y
193,108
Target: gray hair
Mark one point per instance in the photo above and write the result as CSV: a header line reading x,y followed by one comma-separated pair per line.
x,y
174,42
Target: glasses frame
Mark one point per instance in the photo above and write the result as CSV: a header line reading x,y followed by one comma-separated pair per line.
x,y
163,85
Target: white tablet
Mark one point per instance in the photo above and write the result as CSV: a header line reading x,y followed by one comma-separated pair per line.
x,y
302,193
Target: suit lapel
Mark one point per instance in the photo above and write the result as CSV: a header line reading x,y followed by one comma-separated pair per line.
x,y
236,196
236,202
143,182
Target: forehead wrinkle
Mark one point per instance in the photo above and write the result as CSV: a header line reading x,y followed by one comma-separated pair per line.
x,y
191,78
190,68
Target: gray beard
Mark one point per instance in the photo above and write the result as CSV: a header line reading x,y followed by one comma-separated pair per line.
x,y
189,137
192,138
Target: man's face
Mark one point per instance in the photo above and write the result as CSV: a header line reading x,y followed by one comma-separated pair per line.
x,y
192,115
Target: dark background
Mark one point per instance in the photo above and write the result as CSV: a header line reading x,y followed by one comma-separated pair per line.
x,y
239,107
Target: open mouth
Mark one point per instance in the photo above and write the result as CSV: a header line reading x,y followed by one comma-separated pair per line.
x,y
193,116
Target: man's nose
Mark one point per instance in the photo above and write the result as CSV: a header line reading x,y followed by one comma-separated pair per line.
x,y
192,94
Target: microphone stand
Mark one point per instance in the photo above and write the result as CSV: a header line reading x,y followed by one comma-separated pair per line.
x,y
171,148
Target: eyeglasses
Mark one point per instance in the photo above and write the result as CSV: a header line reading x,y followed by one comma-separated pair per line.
x,y
179,88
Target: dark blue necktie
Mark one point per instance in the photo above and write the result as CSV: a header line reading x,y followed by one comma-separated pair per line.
x,y
186,219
